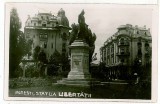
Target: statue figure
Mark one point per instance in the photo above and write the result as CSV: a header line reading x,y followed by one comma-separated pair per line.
x,y
82,25
81,31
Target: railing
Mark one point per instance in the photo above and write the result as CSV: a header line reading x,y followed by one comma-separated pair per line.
x,y
123,44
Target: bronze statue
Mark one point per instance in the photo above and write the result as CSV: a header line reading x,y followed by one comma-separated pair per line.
x,y
82,32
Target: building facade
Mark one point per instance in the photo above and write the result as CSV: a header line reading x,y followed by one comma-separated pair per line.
x,y
49,32
126,51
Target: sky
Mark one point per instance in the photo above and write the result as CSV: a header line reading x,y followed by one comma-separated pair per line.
x,y
103,19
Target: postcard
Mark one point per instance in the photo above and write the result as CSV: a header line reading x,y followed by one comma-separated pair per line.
x,y
82,52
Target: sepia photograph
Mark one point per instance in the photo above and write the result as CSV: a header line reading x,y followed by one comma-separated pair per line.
x,y
79,51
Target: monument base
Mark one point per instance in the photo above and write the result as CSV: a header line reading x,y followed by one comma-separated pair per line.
x,y
79,74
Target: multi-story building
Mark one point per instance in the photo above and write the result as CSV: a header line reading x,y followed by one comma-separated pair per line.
x,y
129,47
49,32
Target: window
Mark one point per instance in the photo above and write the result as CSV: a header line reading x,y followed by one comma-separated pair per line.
x,y
41,17
139,43
122,41
64,47
45,45
139,49
39,22
145,33
44,25
53,25
34,24
51,45
113,59
43,36
127,42
48,22
146,46
108,51
47,17
127,49
107,60
112,49
122,60
122,50
104,54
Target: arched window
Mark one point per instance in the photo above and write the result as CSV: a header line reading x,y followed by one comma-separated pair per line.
x,y
145,33
122,41
44,25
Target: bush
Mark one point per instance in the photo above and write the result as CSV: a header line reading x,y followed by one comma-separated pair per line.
x,y
52,70
12,84
31,71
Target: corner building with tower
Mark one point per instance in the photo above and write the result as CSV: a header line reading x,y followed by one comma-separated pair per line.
x,y
49,32
127,53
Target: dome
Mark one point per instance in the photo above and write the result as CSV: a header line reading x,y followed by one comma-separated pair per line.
x,y
62,19
61,12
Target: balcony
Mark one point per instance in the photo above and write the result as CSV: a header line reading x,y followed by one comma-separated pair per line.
x,y
123,53
43,37
123,44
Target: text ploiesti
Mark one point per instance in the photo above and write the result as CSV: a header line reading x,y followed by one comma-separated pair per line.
x,y
54,94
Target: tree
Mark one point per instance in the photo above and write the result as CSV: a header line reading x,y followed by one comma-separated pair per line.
x,y
42,57
36,52
17,48
54,63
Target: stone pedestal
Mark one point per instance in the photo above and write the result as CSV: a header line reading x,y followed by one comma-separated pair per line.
x,y
79,61
79,73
